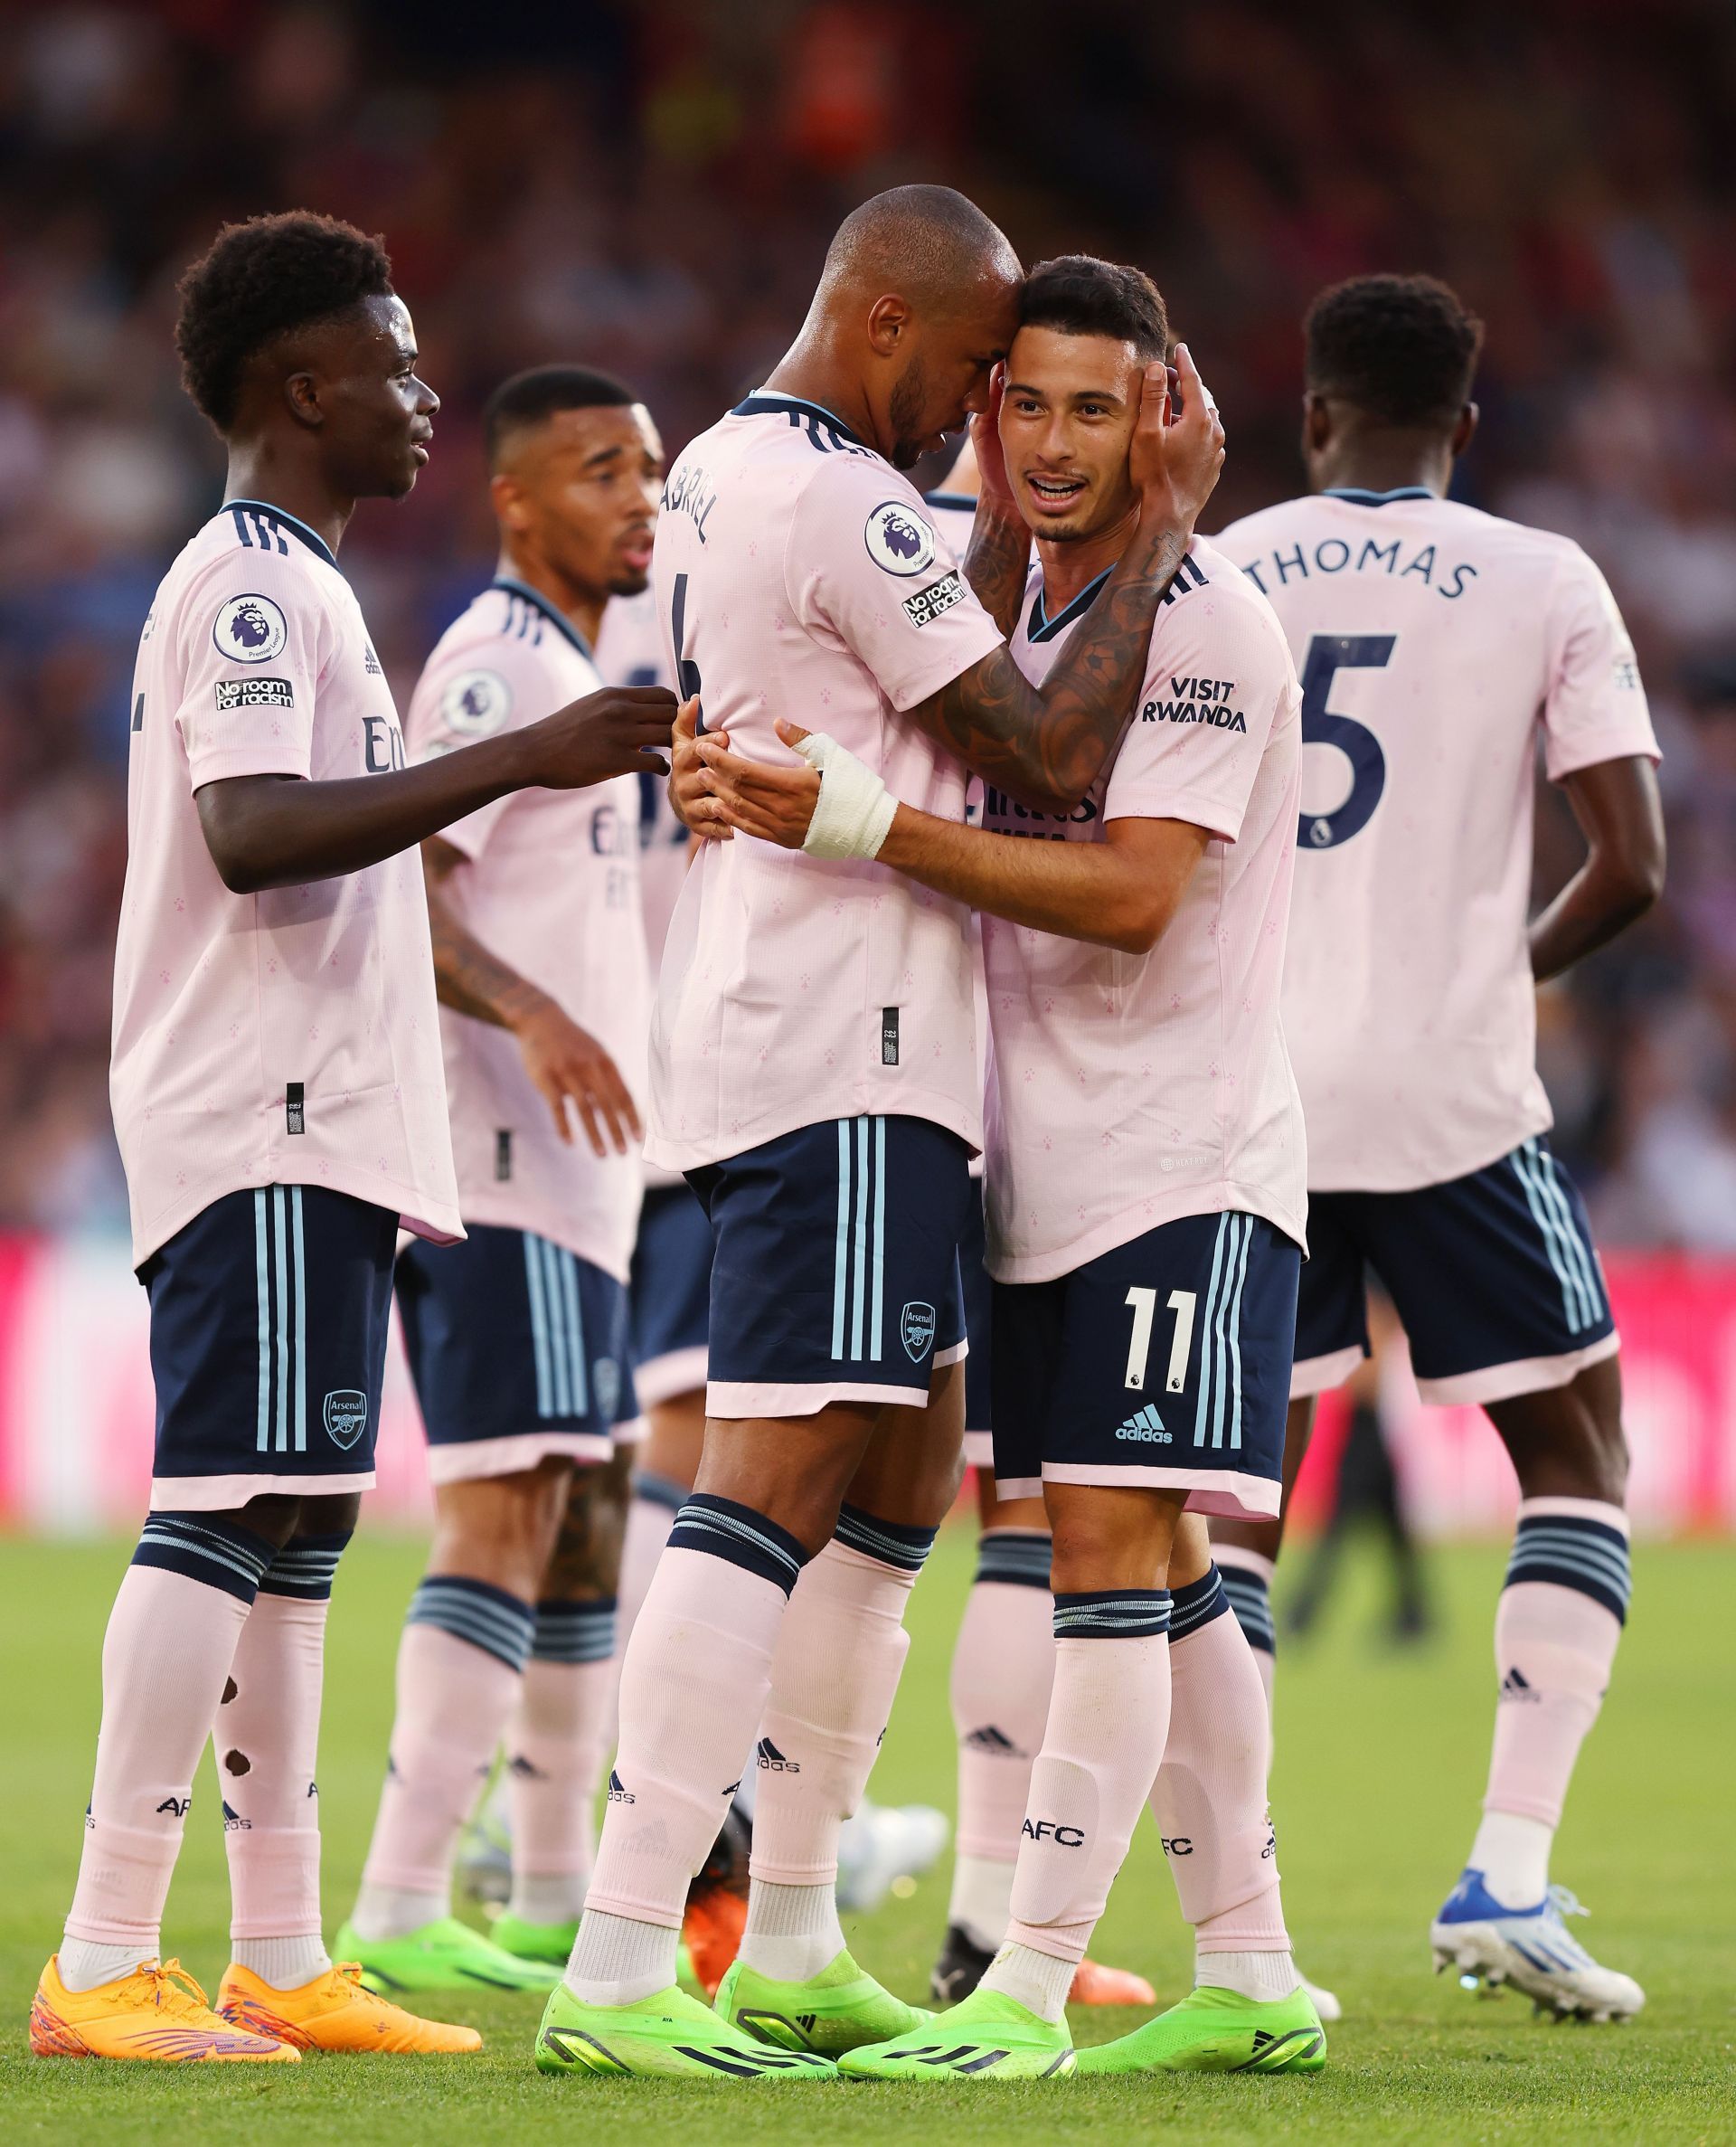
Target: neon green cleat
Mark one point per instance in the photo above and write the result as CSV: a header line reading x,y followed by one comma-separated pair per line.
x,y
1219,2031
668,2036
445,1956
534,1941
836,2011
985,2036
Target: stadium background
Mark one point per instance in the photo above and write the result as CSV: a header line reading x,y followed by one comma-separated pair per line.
x,y
651,188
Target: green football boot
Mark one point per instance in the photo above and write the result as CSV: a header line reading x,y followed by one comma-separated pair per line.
x,y
534,1941
1219,2031
445,1956
985,2036
836,2011
668,2036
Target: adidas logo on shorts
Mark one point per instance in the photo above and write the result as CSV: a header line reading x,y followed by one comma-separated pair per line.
x,y
1148,1426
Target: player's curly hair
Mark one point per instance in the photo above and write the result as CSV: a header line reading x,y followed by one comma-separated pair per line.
x,y
1403,348
261,279
1080,295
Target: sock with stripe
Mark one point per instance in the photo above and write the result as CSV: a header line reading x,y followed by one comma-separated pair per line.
x,y
556,1744
835,1674
171,1637
460,1662
1109,1717
266,1739
1002,1667
694,1688
1247,1578
1556,1629
1210,1798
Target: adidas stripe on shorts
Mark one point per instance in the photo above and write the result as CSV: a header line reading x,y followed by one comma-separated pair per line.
x,y
1164,1362
268,1316
1494,1277
834,1274
518,1350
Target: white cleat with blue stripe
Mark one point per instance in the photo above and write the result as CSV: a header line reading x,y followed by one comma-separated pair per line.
x,y
1532,1949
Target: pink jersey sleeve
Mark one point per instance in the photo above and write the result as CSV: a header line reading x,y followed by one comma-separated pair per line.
x,y
866,567
255,640
1220,677
1596,707
471,691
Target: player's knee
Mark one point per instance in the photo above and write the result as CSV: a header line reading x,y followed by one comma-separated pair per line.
x,y
501,1529
274,1516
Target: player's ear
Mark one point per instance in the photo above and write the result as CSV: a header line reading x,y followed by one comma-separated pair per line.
x,y
888,320
1464,430
301,393
1317,422
506,495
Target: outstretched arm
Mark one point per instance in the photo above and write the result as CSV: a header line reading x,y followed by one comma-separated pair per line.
x,y
1621,817
563,1060
1120,893
279,831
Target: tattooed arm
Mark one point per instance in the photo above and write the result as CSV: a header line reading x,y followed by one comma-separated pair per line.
x,y
1046,746
563,1060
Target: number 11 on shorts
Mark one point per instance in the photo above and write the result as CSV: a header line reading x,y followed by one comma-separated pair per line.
x,y
1181,1302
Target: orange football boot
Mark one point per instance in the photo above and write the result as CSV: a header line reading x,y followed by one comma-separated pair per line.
x,y
1093,1984
712,1931
335,2012
155,2011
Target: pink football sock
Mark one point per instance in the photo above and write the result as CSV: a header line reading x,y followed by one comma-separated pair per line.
x,y
556,1744
650,1516
170,1641
455,1696
1108,1722
1003,1669
693,1687
266,1738
1210,1796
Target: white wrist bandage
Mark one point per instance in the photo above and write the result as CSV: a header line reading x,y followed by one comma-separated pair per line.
x,y
855,813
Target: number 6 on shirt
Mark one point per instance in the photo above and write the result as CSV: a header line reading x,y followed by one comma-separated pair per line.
x,y
1181,1302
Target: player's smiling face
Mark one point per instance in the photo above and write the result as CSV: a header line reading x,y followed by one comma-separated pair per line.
x,y
582,489
377,415
1067,419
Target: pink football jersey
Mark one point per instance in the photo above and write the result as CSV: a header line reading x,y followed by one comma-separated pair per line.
x,y
550,885
1129,1089
288,1037
801,577
1434,642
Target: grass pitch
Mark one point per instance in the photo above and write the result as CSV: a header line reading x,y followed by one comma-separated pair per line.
x,y
1381,1762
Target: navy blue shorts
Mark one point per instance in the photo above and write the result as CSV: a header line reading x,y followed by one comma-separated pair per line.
x,y
1165,1362
268,1317
979,1301
836,1275
1494,1277
519,1349
671,1290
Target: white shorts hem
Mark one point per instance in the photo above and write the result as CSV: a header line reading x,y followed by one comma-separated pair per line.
x,y
955,1353
1018,1486
980,1451
1316,1374
677,1372
1528,1375
222,1494
1224,1491
743,1397
469,1461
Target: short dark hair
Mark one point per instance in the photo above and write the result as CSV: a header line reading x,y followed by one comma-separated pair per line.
x,y
1403,348
528,398
260,280
1081,296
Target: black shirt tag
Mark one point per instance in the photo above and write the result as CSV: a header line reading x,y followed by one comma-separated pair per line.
x,y
503,1155
889,1036
294,1114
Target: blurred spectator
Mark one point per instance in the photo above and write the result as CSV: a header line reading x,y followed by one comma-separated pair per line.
x,y
651,188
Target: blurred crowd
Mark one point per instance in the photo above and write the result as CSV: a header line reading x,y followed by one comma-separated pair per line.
x,y
650,187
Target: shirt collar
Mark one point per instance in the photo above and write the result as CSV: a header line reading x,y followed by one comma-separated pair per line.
x,y
765,401
1357,497
293,523
539,602
1041,628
